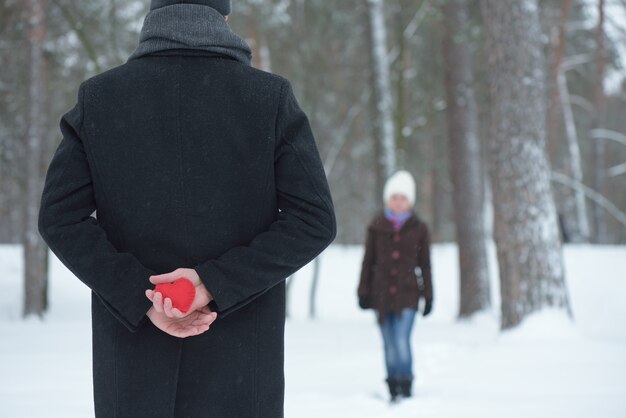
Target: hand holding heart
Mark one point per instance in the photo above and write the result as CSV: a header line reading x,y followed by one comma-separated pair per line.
x,y
190,294
181,292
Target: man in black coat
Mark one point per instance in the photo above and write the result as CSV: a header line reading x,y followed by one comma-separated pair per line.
x,y
196,165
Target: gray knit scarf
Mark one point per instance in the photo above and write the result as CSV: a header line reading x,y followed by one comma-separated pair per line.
x,y
190,26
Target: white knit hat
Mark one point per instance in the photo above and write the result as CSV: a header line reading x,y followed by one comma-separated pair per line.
x,y
401,182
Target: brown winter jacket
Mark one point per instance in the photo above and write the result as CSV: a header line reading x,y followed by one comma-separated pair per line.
x,y
392,261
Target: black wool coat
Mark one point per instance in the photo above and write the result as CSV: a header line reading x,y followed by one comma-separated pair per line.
x,y
392,262
189,159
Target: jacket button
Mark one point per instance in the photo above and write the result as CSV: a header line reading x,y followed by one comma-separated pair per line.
x,y
393,290
394,271
395,254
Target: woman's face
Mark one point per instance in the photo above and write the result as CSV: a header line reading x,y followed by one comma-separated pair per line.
x,y
398,203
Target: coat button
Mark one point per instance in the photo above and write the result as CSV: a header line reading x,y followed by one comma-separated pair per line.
x,y
396,237
394,271
395,254
393,290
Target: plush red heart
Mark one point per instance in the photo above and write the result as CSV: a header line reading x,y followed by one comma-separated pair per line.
x,y
181,291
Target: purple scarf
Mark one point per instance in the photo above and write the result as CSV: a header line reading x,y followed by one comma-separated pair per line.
x,y
397,219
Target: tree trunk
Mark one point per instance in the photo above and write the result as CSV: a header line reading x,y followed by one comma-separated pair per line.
x,y
382,86
401,65
599,145
35,260
379,170
526,229
436,188
465,160
313,290
576,197
557,44
12,123
574,207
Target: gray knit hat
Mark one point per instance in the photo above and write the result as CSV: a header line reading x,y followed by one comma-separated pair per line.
x,y
222,6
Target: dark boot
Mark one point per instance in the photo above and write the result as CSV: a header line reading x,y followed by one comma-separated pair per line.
x,y
405,387
394,388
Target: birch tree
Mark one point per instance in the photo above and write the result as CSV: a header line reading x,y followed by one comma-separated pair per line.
x,y
465,160
576,197
525,225
382,86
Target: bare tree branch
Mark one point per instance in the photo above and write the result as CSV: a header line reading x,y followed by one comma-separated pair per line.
x,y
581,102
342,133
608,134
79,29
575,60
581,25
617,170
411,28
592,195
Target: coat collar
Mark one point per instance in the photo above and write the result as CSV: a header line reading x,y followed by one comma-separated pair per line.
x,y
192,52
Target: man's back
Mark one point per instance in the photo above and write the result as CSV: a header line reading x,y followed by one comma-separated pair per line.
x,y
186,141
190,159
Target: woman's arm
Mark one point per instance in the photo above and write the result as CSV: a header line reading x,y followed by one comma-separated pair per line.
x,y
369,259
423,259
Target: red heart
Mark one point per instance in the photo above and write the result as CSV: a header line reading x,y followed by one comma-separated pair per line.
x,y
181,291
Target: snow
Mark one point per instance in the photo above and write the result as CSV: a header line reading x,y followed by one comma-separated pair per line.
x,y
547,367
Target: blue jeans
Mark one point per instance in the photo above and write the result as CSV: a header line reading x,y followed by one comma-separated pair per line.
x,y
396,331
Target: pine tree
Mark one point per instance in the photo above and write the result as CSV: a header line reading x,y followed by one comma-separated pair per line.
x,y
525,226
465,160
35,250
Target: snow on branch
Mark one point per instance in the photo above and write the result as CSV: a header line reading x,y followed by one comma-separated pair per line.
x,y
581,102
575,61
608,134
617,170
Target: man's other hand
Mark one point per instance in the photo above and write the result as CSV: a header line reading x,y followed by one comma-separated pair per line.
x,y
195,323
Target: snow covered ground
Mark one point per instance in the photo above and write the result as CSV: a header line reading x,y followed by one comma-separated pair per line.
x,y
549,367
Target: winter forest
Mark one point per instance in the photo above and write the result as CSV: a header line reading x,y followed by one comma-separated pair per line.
x,y
509,114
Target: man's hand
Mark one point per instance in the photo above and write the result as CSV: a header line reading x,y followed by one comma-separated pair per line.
x,y
203,296
195,323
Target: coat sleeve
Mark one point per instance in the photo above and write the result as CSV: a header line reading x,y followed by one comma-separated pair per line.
x,y
367,265
424,262
66,225
305,224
